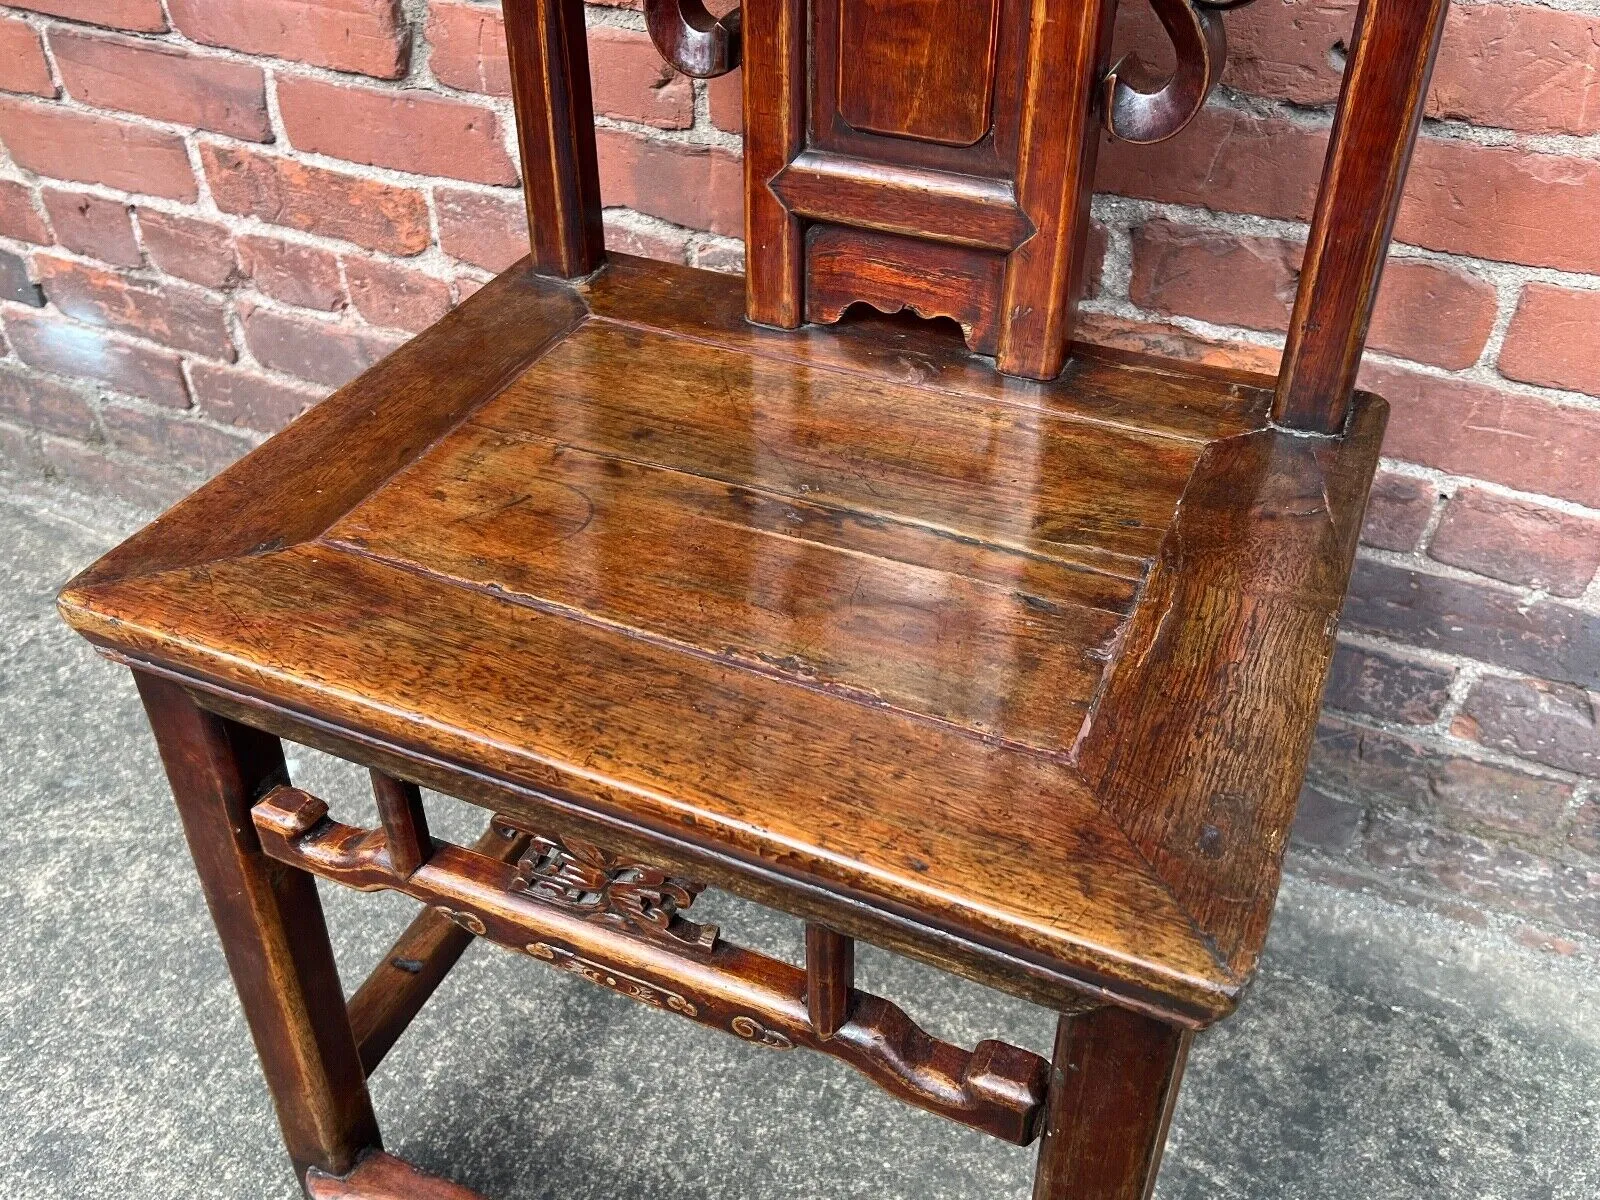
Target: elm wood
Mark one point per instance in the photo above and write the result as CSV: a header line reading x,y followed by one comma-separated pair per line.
x,y
393,994
996,1088
774,133
691,39
384,1177
1374,130
915,69
1114,1081
1199,739
938,207
1200,47
891,273
1068,45
830,979
270,922
549,59
404,821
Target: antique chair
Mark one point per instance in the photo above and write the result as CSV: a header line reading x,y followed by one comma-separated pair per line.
x,y
997,651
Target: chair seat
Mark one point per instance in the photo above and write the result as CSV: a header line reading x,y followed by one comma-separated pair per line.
x,y
1026,667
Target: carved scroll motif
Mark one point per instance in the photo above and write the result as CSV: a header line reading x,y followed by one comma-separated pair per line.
x,y
580,878
691,39
1201,48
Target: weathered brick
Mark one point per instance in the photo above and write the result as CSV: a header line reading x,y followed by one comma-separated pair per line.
x,y
238,396
64,144
1168,341
1398,510
368,37
165,82
164,437
317,351
1585,833
467,47
22,63
1550,723
15,284
93,226
37,402
725,98
1326,823
1566,895
406,131
632,83
701,187
1469,428
285,192
1552,339
1391,686
394,297
141,16
173,314
1384,770
486,231
190,248
1519,66
19,217
67,348
668,245
1425,312
1485,622
1518,541
305,276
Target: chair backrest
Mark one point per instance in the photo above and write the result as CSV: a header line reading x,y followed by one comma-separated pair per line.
x,y
939,155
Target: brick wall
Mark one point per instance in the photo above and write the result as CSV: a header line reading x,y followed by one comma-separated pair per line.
x,y
214,211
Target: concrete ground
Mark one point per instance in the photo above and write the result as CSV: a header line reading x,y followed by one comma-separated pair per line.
x,y
1384,1053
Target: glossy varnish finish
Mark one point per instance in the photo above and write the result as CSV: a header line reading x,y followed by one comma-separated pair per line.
x,y
1011,672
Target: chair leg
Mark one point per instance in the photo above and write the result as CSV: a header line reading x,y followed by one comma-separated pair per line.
x,y
270,922
1113,1084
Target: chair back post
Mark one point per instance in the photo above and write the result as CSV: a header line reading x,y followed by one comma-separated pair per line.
x,y
555,133
1380,109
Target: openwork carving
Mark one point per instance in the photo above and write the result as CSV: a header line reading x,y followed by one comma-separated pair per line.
x,y
1201,48
579,877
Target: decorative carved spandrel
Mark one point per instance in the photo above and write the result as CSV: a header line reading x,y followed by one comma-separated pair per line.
x,y
581,878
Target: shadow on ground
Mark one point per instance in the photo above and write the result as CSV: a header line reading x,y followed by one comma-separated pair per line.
x,y
1383,1053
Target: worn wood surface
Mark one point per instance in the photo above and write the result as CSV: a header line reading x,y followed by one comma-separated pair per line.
x,y
384,1177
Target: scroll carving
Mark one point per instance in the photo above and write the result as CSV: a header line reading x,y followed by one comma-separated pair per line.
x,y
1201,47
583,879
691,39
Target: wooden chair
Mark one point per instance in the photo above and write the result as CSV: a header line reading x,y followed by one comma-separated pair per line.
x,y
1001,655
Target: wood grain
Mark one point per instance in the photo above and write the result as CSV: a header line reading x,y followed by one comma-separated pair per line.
x,y
384,1177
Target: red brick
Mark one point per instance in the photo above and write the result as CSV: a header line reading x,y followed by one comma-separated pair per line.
x,y
1280,50
670,245
725,257
319,351
164,82
1469,428
173,314
1553,339
468,47
1518,541
1323,822
725,96
1521,67
365,36
1585,833
192,249
1389,771
238,396
295,274
284,192
63,144
19,215
1489,623
15,284
395,297
1425,312
1166,341
466,287
701,187
166,438
406,131
67,348
1390,686
22,63
1550,723
94,226
632,83
141,16
1398,510
30,399
486,231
